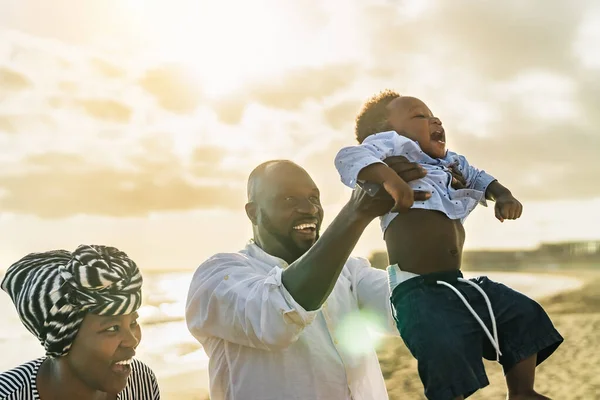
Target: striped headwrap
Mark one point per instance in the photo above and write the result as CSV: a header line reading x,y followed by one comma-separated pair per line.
x,y
53,291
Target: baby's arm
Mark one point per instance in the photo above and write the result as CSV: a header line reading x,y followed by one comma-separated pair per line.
x,y
507,206
364,163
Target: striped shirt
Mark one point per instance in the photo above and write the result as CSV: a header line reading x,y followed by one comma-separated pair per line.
x,y
20,383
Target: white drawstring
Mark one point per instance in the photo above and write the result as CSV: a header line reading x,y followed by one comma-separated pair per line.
x,y
494,339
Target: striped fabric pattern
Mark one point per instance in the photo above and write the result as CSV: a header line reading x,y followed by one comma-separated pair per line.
x,y
19,383
53,291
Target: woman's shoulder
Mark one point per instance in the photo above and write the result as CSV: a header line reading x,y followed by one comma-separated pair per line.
x,y
19,381
142,382
138,368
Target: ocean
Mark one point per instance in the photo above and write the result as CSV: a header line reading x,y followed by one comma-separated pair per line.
x,y
167,346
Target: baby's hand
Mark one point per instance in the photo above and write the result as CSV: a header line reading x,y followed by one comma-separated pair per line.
x,y
401,192
507,207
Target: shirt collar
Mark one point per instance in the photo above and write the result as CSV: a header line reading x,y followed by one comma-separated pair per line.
x,y
254,251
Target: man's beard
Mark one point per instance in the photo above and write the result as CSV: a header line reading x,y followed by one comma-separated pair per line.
x,y
286,240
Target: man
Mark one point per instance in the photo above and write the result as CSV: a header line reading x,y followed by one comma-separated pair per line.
x,y
269,315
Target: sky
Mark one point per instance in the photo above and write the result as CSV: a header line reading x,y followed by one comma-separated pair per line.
x,y
135,123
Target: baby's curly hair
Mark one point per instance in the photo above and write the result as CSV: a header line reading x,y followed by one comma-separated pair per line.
x,y
372,118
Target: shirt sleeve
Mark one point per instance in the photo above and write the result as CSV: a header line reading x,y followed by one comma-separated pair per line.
x,y
228,299
476,179
374,149
373,293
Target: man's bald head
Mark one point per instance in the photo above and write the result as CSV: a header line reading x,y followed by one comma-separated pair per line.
x,y
284,207
265,173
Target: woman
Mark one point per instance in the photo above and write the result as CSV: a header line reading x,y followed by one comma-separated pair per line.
x,y
82,308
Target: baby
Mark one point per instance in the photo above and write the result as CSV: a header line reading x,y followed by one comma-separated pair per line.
x,y
442,317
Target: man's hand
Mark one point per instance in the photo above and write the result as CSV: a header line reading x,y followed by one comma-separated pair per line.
x,y
458,181
507,207
370,205
402,194
408,171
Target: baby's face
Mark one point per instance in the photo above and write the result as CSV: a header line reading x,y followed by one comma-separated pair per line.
x,y
410,117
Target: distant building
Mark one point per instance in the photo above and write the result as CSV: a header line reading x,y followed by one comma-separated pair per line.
x,y
546,256
571,249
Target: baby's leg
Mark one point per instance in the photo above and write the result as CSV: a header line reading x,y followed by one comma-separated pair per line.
x,y
520,380
444,338
527,337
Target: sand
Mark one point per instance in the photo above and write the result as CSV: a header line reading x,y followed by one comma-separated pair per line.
x,y
573,372
188,386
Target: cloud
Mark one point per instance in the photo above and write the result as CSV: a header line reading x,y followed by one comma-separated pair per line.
x,y
496,39
55,185
106,109
293,88
342,115
321,167
7,125
172,88
588,98
290,91
19,123
230,110
535,171
503,38
107,69
13,80
504,78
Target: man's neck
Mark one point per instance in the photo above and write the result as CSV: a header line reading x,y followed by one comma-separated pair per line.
x,y
274,248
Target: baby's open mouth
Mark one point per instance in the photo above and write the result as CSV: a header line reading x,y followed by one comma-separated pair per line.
x,y
439,135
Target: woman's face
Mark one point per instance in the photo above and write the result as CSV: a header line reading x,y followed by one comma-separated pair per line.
x,y
102,351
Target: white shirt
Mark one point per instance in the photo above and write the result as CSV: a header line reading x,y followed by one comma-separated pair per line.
x,y
455,203
263,345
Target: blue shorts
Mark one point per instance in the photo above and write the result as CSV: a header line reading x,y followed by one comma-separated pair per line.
x,y
449,343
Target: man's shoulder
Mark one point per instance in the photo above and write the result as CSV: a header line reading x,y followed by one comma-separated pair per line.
x,y
16,382
223,262
220,259
355,263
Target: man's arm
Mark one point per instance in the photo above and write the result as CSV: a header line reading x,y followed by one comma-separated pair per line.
x,y
311,278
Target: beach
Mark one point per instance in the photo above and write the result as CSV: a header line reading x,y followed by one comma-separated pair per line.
x,y
560,293
572,372
181,365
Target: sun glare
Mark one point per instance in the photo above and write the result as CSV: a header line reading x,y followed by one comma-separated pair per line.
x,y
222,42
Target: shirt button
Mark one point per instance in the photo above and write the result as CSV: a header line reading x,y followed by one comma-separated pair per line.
x,y
226,277
335,342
